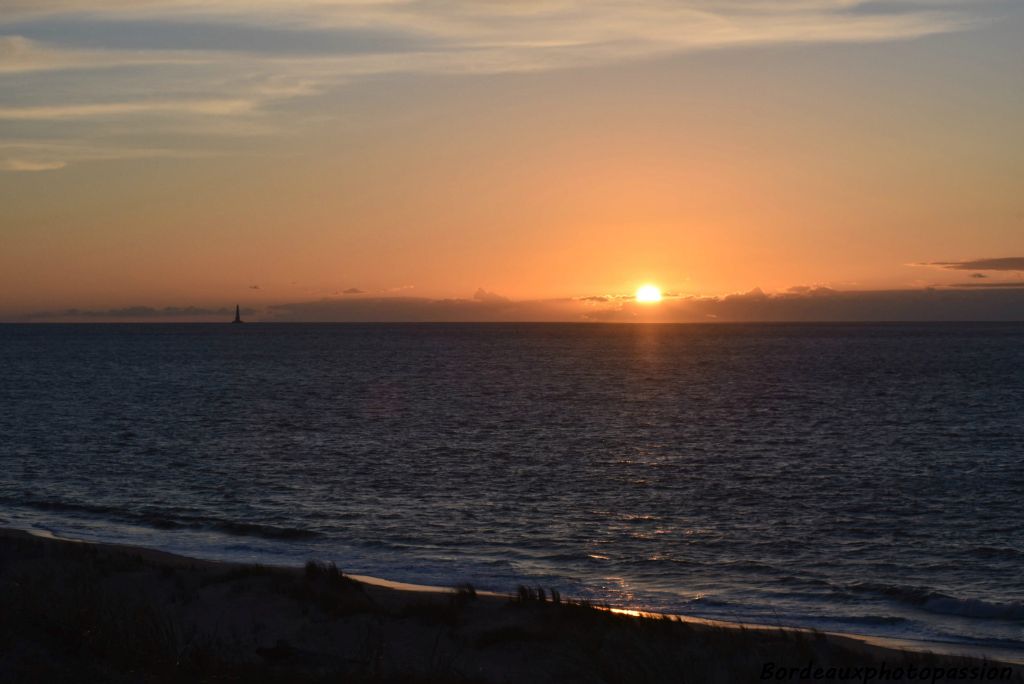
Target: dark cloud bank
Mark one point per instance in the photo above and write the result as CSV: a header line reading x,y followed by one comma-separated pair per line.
x,y
1000,264
135,313
969,302
1005,303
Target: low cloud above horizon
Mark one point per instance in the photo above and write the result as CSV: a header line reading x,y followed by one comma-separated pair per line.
x,y
968,302
998,264
132,313
799,304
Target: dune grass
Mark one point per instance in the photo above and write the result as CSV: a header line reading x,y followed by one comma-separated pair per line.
x,y
86,613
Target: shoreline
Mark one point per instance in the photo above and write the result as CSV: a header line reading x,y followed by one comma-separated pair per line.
x,y
946,648
472,617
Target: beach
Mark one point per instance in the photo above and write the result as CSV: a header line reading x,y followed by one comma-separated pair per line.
x,y
76,611
846,478
541,341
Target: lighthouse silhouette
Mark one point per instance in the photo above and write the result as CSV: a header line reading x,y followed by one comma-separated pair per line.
x,y
238,315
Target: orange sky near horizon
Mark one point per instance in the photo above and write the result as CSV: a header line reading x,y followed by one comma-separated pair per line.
x,y
707,173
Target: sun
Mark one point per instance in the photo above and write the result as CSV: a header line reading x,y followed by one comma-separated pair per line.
x,y
648,294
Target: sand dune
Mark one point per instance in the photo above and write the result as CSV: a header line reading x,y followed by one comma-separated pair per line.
x,y
93,612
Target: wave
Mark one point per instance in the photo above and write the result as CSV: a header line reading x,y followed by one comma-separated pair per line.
x,y
974,608
936,602
997,552
874,620
265,531
62,506
164,521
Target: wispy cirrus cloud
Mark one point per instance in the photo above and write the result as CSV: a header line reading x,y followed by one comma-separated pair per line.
x,y
528,34
14,164
240,58
115,109
20,54
53,155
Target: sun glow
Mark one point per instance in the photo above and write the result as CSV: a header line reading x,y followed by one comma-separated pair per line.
x,y
648,294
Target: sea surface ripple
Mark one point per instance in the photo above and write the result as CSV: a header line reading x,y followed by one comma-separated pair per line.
x,y
863,478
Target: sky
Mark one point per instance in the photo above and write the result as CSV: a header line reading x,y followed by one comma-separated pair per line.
x,y
499,160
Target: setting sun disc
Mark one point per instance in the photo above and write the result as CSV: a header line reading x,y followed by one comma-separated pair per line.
x,y
648,294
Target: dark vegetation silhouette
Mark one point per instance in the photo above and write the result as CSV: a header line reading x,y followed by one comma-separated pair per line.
x,y
89,613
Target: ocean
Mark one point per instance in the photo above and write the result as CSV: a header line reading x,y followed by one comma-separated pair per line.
x,y
859,478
